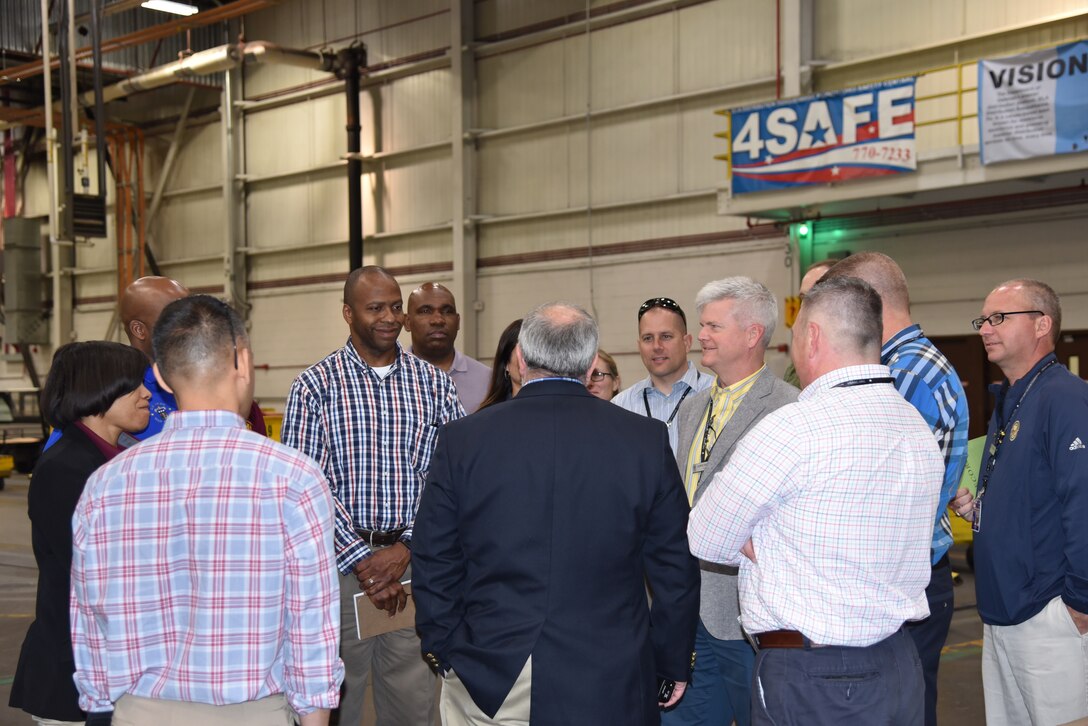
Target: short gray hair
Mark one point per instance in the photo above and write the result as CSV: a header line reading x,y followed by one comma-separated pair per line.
x,y
854,313
1041,296
754,302
560,339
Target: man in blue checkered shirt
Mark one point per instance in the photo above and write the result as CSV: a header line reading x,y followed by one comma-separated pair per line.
x,y
369,414
929,382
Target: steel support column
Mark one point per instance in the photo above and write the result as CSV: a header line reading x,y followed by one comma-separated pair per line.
x,y
463,115
234,256
796,30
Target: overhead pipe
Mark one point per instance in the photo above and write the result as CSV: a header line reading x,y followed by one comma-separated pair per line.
x,y
214,60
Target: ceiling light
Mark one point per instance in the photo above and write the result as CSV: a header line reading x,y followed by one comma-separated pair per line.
x,y
169,6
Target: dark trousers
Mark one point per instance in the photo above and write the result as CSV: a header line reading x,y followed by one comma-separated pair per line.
x,y
836,686
929,635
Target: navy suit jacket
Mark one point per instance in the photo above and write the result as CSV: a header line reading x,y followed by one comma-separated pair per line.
x,y
541,521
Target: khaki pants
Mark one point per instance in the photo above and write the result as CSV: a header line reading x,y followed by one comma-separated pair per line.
x,y
458,708
1035,672
136,711
403,684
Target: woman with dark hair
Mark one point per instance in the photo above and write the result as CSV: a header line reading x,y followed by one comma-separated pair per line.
x,y
94,392
505,376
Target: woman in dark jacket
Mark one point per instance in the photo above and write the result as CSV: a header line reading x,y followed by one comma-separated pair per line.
x,y
94,392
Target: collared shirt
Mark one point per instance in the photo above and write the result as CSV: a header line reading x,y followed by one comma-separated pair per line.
x,y
202,571
837,493
373,437
928,381
471,377
636,398
1032,545
723,404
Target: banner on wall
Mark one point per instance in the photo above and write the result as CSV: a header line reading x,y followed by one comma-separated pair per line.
x,y
1034,104
858,133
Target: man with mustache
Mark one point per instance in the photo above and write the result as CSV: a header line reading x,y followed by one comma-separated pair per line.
x,y
369,414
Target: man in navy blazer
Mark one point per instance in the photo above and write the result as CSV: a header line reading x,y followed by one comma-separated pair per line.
x,y
541,522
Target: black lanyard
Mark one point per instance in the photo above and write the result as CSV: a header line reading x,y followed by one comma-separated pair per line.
x,y
864,382
646,402
999,435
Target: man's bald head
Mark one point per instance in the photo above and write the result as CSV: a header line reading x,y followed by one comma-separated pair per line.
x,y
141,304
882,273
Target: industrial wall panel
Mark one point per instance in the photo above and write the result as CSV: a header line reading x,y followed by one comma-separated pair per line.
x,y
419,193
633,61
281,140
662,221
495,17
191,226
198,276
633,156
280,215
525,85
409,251
416,111
199,160
526,173
302,265
92,325
725,42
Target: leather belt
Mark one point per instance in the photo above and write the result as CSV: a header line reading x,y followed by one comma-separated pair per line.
x,y
783,639
377,537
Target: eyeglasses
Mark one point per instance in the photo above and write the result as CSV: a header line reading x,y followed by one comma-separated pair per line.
x,y
998,318
598,375
665,303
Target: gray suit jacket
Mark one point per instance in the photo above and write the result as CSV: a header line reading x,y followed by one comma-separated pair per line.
x,y
719,607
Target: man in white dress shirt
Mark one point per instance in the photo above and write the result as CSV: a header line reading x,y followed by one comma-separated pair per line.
x,y
827,506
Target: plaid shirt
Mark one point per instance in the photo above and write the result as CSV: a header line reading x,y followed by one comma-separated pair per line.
x,y
929,383
202,572
837,493
372,436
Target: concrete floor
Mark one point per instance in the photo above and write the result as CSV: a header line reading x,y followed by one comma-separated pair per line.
x,y
960,679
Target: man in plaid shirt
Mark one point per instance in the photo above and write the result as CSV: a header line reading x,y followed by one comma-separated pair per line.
x,y
202,569
928,381
369,414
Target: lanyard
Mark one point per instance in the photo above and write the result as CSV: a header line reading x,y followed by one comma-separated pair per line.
x,y
646,402
999,436
864,382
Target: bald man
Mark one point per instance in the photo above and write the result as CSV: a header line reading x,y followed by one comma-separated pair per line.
x,y
141,304
433,322
815,271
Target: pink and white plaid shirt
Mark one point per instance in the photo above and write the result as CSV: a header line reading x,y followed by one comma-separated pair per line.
x,y
838,493
203,571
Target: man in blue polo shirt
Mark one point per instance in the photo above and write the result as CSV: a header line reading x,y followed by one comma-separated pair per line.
x,y
1029,515
928,381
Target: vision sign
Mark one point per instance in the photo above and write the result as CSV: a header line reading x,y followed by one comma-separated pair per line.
x,y
1034,104
832,137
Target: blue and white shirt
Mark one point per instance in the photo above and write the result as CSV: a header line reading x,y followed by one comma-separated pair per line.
x,y
642,396
372,435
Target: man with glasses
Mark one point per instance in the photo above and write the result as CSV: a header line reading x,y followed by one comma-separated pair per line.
x,y
737,317
1029,514
928,381
664,344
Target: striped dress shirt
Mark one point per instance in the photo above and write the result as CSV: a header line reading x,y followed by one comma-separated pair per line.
x,y
928,381
837,493
373,436
202,571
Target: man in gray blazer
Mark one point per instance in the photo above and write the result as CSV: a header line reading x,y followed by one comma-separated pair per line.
x,y
737,316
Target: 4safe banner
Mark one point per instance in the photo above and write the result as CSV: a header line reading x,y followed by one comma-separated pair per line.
x,y
831,137
1034,104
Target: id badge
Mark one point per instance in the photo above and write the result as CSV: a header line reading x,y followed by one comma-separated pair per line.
x,y
976,522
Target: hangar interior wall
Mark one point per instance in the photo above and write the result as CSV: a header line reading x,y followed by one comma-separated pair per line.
x,y
594,153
